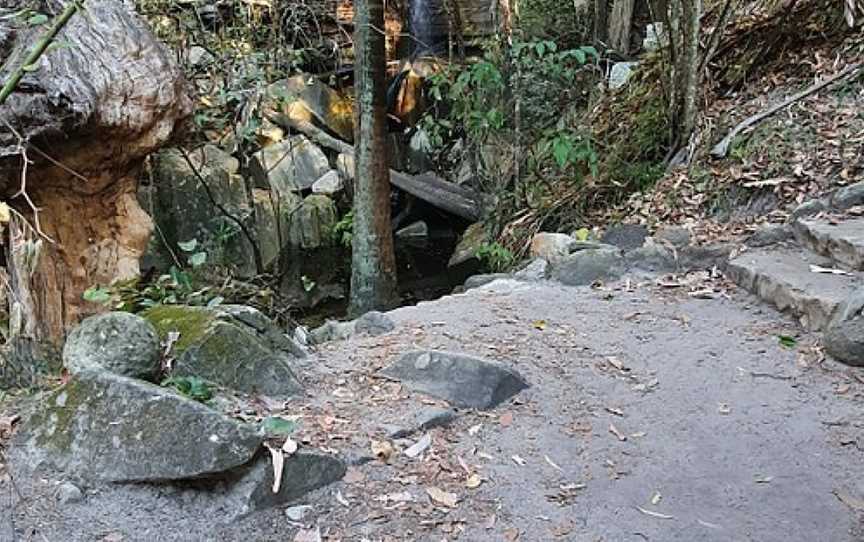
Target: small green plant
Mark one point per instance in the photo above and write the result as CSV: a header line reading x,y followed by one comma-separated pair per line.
x,y
191,387
343,231
196,257
495,257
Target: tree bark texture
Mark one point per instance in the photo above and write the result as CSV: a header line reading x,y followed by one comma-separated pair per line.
x,y
373,262
601,23
619,25
87,116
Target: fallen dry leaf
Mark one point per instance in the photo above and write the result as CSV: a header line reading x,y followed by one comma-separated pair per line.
x,y
473,481
653,514
289,447
419,447
442,497
278,464
506,419
614,430
849,500
308,535
511,534
382,449
518,460
552,463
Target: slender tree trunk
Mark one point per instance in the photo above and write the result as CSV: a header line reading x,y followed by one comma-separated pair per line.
x,y
601,23
373,265
619,26
690,76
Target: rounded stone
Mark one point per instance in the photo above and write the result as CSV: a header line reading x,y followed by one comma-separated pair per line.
x,y
845,342
117,342
68,493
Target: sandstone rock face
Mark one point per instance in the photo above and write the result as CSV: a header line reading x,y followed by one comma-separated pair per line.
x,y
117,342
98,106
106,427
462,380
289,166
233,346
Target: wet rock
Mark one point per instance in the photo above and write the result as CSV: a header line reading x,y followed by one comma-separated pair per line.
x,y
329,184
374,323
588,266
769,235
552,247
625,236
305,98
468,246
69,493
620,73
105,427
848,196
233,346
291,165
302,472
312,224
118,342
536,270
675,236
463,381
415,230
845,342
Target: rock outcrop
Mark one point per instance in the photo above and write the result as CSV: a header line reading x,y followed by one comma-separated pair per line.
x,y
117,342
90,112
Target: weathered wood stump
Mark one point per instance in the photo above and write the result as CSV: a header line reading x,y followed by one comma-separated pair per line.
x,y
86,117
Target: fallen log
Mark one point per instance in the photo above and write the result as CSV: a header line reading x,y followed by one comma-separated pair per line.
x,y
449,197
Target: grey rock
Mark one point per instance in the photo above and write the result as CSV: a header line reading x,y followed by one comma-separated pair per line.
x,y
770,235
415,230
652,258
463,381
199,57
577,246
845,342
302,472
304,97
329,184
704,257
848,196
105,427
625,236
588,266
476,281
809,208
781,276
291,165
535,271
331,330
312,224
118,342
468,246
233,346
374,323
620,73
843,242
345,166
552,247
297,513
675,236
69,493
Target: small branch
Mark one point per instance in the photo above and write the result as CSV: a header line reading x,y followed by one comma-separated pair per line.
x,y
37,50
721,149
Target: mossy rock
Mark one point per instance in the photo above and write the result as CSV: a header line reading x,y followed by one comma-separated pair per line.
x,y
107,427
232,346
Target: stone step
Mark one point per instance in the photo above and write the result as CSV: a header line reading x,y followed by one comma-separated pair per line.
x,y
842,241
782,276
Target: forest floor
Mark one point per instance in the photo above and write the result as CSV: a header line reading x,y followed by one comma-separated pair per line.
x,y
654,413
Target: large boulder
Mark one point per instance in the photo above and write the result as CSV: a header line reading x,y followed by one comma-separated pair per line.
x,y
118,342
845,342
106,427
463,381
231,345
312,224
304,98
98,105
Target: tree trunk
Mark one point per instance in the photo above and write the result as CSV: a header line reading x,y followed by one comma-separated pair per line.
x,y
619,25
373,263
601,23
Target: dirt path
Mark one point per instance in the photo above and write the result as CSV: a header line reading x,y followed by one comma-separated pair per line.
x,y
652,415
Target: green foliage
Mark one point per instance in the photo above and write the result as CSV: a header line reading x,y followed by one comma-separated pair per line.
x,y
495,257
788,342
191,387
343,231
277,426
